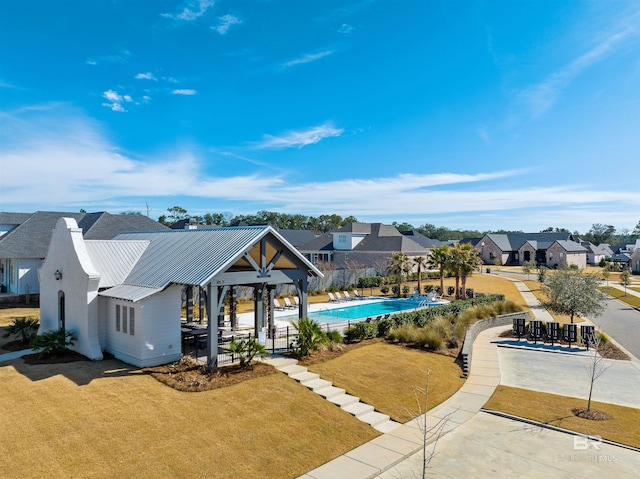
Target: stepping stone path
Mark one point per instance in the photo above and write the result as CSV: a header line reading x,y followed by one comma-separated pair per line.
x,y
338,396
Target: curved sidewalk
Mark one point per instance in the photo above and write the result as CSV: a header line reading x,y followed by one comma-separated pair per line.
x,y
383,452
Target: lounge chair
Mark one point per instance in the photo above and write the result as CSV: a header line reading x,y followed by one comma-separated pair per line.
x,y
347,296
357,295
277,305
332,298
296,301
339,296
287,304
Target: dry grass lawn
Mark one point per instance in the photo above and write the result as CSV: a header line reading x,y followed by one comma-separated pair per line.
x,y
624,427
9,311
388,374
628,298
105,419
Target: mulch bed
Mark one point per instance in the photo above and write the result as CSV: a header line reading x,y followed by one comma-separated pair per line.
x,y
188,376
67,356
592,415
607,350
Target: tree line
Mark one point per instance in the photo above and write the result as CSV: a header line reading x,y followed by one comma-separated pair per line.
x,y
599,233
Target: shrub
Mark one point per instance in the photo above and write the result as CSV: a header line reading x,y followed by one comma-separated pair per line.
x,y
384,327
451,290
25,328
405,291
52,343
405,333
428,288
470,293
310,336
334,336
369,281
384,290
430,339
247,350
360,331
396,290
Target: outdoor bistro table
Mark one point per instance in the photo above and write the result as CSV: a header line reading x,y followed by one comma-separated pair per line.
x,y
196,333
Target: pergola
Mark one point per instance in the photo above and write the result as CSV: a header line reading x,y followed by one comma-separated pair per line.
x,y
263,264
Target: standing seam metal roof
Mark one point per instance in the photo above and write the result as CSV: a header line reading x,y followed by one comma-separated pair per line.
x,y
193,256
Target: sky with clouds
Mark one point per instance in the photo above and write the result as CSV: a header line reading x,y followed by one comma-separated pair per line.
x,y
478,115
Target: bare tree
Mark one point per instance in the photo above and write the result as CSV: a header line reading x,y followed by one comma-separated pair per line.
x,y
596,366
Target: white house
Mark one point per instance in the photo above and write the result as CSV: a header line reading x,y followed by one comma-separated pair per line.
x,y
124,296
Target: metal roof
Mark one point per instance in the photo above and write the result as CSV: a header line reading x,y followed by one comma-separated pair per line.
x,y
195,256
114,260
129,292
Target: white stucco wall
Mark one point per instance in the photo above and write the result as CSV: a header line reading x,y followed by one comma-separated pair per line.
x,y
28,276
79,284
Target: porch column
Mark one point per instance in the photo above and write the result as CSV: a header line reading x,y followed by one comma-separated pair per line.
x,y
258,322
212,326
270,318
189,301
233,308
301,287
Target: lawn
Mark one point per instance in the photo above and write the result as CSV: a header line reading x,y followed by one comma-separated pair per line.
x,y
623,427
106,419
616,293
10,311
388,375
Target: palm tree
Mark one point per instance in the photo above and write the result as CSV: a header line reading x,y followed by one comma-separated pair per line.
x,y
399,265
468,262
440,259
420,262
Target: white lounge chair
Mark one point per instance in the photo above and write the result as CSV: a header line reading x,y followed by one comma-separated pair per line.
x,y
296,301
332,297
357,295
347,296
339,296
287,304
277,305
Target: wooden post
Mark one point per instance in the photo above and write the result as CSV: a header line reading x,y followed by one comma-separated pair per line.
x,y
212,326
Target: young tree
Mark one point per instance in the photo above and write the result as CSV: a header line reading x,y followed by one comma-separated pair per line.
x,y
573,292
625,279
605,274
528,267
596,366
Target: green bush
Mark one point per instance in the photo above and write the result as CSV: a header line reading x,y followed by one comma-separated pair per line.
x,y
53,343
247,350
24,328
405,291
428,288
310,336
384,289
369,281
334,336
431,339
360,331
451,290
384,327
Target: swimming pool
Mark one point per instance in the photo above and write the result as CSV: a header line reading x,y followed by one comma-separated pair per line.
x,y
353,311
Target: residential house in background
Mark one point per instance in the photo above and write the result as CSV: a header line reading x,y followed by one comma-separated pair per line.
x,y
635,258
516,248
595,254
367,245
565,253
26,236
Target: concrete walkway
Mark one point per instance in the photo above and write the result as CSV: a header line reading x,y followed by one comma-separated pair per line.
x,y
494,446
389,449
15,354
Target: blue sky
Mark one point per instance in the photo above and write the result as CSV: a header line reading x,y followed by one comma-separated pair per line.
x,y
466,114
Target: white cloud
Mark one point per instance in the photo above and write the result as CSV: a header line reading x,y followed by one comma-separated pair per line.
x,y
299,139
116,58
192,10
184,91
112,95
542,96
115,106
146,76
345,28
308,58
225,22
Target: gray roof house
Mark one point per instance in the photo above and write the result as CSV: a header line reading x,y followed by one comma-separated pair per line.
x,y
516,248
26,237
369,245
124,295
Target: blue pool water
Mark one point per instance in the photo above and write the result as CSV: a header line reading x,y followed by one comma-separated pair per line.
x,y
354,311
